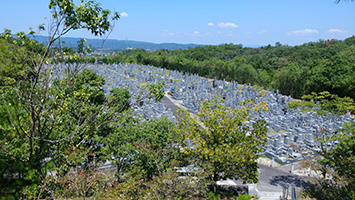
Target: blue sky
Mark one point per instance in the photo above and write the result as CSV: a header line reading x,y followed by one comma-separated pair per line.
x,y
247,22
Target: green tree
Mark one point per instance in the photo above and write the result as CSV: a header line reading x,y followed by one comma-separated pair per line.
x,y
77,116
42,115
341,162
332,102
222,144
148,146
16,57
291,80
246,74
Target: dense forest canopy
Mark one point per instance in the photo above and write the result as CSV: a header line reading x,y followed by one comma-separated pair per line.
x,y
325,65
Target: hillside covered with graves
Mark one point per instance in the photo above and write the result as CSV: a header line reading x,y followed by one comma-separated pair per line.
x,y
292,133
208,122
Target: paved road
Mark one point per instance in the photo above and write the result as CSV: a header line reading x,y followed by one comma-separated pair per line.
x,y
169,104
173,105
273,179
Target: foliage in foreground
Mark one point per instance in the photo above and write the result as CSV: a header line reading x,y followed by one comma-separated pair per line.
x,y
91,184
147,145
42,115
219,142
340,162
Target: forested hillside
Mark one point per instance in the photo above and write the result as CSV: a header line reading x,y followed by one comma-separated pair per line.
x,y
296,71
113,44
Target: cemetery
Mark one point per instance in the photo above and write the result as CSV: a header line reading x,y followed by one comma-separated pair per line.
x,y
87,117
291,133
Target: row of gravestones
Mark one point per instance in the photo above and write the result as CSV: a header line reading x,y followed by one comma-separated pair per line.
x,y
289,130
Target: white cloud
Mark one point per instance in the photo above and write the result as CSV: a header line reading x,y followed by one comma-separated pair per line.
x,y
196,33
227,25
336,31
303,32
262,31
210,24
123,14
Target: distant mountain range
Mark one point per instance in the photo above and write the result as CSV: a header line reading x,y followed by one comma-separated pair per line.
x,y
119,44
